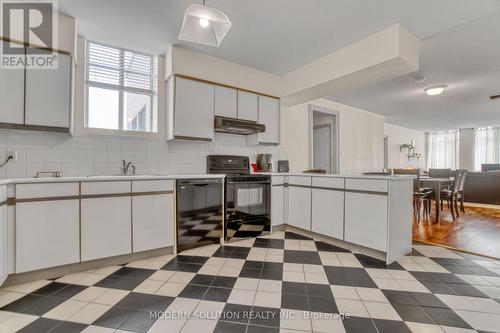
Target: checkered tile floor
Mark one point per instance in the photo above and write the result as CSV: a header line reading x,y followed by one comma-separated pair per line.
x,y
284,282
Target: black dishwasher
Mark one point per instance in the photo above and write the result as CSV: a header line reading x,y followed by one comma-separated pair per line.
x,y
199,212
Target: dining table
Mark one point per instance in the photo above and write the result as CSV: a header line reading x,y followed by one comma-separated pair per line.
x,y
437,184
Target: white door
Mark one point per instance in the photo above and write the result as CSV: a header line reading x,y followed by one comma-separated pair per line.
x,y
152,221
248,106
11,95
269,115
328,212
366,220
299,207
106,227
3,235
48,94
322,154
226,102
47,234
194,110
277,207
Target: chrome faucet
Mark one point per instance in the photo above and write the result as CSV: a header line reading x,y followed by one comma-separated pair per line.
x,y
126,166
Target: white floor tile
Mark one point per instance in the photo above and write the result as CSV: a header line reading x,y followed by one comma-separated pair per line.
x,y
381,311
111,297
267,299
479,321
199,325
424,328
247,284
65,310
352,307
161,275
27,288
89,294
97,329
241,296
9,297
295,320
89,313
371,294
294,276
172,289
272,286
344,292
15,322
326,324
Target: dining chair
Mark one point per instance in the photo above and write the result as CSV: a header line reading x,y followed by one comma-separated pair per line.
x,y
421,198
461,191
440,173
452,196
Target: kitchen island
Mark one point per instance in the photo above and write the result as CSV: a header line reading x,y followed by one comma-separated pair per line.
x,y
371,214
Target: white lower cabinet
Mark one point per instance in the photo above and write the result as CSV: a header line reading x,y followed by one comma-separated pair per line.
x,y
47,234
152,221
299,207
366,220
277,205
327,214
106,227
3,235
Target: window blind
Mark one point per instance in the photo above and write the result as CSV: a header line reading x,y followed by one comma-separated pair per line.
x,y
119,69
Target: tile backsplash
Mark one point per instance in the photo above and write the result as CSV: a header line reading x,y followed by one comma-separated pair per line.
x,y
83,156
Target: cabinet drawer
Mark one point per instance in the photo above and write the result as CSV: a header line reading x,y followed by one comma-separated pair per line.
x,y
328,182
3,193
299,180
152,185
31,191
92,188
374,185
277,180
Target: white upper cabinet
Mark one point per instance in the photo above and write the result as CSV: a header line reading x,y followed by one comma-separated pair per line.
x,y
248,106
48,95
226,102
269,115
11,95
193,114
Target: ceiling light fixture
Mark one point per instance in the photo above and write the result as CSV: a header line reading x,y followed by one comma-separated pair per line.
x,y
204,25
435,90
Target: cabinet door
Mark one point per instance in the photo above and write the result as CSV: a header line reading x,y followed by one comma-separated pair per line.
x,y
269,115
48,95
3,235
106,227
247,106
152,221
194,110
299,211
328,212
366,220
11,95
226,102
277,205
47,234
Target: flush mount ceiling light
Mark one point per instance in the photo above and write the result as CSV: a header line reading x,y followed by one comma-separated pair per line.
x,y
204,25
435,90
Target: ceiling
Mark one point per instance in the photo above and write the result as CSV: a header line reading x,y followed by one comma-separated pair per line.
x,y
467,59
276,36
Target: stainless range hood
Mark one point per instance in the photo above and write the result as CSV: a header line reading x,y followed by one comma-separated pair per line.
x,y
237,126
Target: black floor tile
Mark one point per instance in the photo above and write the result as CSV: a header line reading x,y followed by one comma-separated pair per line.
x,y
261,329
425,276
118,282
448,278
322,246
224,282
276,244
413,313
426,299
322,304
337,276
41,325
252,264
482,271
263,316
302,257
359,325
192,291
229,327
293,235
391,326
203,280
43,306
446,317
319,290
217,294
271,275
273,266
250,273
50,289
145,302
69,327
23,303
238,255
294,302
114,317
359,277
466,290
69,291
138,321
236,313
439,288
294,288
261,242
399,297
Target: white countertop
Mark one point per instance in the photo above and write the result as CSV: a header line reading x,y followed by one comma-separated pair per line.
x,y
358,176
102,178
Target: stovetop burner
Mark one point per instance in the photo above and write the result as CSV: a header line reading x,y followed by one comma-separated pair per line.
x,y
236,168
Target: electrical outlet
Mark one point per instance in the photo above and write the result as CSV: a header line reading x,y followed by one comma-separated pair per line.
x,y
12,154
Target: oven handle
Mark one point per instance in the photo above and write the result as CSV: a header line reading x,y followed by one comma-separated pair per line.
x,y
256,182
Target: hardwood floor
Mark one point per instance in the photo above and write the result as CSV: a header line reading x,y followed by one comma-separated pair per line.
x,y
477,231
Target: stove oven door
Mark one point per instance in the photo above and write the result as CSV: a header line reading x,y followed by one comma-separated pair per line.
x,y
248,208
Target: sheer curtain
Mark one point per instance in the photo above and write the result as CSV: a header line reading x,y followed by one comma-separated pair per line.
x,y
487,146
442,149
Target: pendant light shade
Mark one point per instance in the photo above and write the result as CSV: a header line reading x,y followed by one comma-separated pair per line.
x,y
204,25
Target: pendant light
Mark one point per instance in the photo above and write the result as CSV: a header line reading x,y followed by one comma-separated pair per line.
x,y
204,25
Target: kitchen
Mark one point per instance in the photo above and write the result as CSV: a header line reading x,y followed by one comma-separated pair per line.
x,y
142,181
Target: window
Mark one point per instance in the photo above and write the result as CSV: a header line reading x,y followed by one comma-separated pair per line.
x,y
442,149
487,146
120,89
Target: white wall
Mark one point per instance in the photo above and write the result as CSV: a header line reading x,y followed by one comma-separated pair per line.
x,y
397,136
361,137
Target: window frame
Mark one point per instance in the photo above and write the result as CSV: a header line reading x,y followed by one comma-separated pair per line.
x,y
121,89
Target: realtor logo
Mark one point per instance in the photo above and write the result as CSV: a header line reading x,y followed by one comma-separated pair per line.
x,y
29,31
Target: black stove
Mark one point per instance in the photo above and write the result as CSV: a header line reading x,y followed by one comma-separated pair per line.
x,y
247,197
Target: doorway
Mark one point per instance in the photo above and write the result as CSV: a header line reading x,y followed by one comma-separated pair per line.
x,y
324,140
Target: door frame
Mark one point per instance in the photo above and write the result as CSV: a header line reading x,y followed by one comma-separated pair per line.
x,y
335,153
